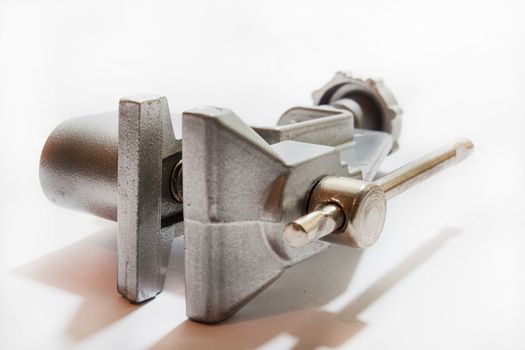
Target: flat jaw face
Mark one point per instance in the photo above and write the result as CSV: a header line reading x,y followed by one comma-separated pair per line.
x,y
239,192
146,150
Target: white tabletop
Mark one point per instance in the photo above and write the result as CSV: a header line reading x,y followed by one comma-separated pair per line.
x,y
447,272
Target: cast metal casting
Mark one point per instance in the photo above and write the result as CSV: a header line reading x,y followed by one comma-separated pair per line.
x,y
254,200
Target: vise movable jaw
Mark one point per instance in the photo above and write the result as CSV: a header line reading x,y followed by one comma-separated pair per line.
x,y
120,169
253,202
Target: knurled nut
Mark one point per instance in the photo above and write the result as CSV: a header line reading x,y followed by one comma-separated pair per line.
x,y
344,85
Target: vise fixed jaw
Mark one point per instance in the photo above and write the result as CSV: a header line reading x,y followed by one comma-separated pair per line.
x,y
254,201
147,151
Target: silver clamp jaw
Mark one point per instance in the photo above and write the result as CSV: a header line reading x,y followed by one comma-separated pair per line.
x,y
118,166
251,201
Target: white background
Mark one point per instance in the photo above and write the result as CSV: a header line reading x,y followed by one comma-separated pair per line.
x,y
448,272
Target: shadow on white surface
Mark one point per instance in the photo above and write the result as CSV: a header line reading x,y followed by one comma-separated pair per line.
x,y
282,309
86,268
289,306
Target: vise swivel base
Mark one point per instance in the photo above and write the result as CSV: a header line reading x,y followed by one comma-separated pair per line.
x,y
254,200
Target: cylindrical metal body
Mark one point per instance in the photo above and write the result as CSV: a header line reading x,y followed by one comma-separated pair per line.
x,y
78,166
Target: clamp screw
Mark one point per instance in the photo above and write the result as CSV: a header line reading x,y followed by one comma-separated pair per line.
x,y
176,182
355,210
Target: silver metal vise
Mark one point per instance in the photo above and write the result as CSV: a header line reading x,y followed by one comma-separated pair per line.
x,y
254,200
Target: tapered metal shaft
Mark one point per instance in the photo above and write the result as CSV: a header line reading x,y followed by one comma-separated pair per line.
x,y
408,175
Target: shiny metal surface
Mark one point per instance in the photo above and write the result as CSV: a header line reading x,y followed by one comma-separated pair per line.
x,y
239,191
373,105
176,182
141,265
320,125
363,204
315,225
79,170
417,171
78,165
241,186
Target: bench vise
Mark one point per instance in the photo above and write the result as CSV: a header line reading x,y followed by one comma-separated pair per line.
x,y
250,201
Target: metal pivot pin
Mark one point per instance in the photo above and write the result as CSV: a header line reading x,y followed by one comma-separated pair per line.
x,y
355,210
